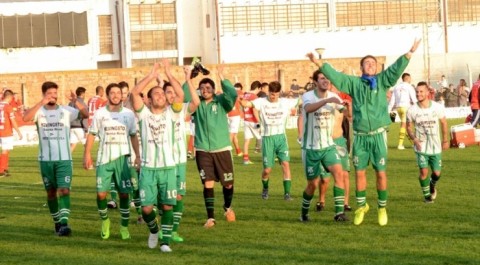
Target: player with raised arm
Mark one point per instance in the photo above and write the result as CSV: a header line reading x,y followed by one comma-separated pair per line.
x,y
53,126
319,152
370,123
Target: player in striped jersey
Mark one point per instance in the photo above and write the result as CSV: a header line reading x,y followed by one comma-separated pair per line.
x,y
425,117
53,125
115,127
319,150
274,112
158,181
179,148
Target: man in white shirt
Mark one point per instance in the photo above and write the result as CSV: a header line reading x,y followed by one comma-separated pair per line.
x,y
115,127
403,96
428,117
53,125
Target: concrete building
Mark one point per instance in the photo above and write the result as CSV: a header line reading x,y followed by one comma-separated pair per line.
x,y
41,36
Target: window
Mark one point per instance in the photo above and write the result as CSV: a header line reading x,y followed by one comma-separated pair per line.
x,y
270,17
463,10
58,29
370,13
154,40
153,27
105,34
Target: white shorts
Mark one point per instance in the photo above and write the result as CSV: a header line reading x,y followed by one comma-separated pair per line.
x,y
192,128
250,131
6,143
233,124
77,135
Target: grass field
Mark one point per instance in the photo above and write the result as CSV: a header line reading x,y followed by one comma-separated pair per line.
x,y
266,232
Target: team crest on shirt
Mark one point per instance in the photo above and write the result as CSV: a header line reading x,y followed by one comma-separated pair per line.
x,y
310,170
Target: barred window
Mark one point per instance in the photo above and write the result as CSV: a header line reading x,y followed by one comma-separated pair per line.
x,y
153,27
269,17
58,29
152,14
154,40
389,12
463,10
105,34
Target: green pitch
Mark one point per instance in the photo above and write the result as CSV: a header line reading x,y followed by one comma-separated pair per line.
x,y
266,232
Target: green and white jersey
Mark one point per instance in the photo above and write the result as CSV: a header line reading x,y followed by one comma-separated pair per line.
x,y
427,126
157,137
180,136
274,115
318,125
113,130
53,127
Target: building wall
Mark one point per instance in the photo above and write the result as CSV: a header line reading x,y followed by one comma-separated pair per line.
x,y
246,73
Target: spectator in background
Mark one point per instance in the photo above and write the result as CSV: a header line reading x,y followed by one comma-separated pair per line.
x,y
294,89
475,102
443,84
79,125
462,90
7,124
451,97
310,85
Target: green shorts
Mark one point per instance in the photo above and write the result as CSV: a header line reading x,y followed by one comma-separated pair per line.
x,y
56,174
316,162
434,161
181,171
134,178
158,185
274,146
342,151
370,147
115,171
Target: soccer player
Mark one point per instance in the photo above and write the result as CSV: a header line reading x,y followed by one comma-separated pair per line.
x,y
212,144
77,128
403,96
251,124
319,151
7,124
158,167
53,126
234,118
274,112
115,127
179,147
95,103
370,122
423,124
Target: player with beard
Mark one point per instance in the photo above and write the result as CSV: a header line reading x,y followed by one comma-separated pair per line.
x,y
115,127
179,148
213,147
158,180
319,151
423,125
53,126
